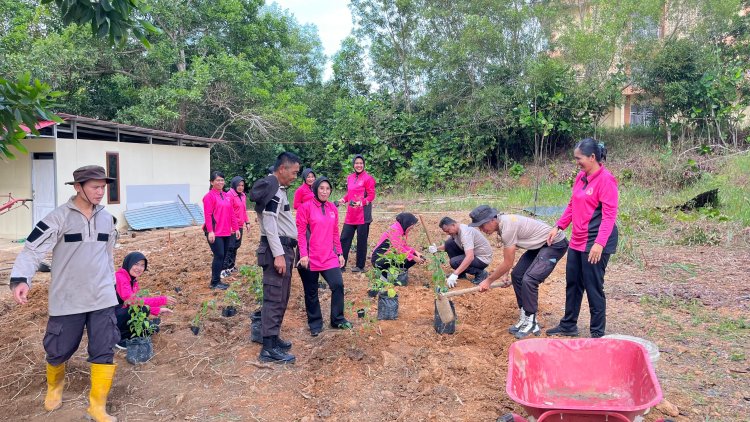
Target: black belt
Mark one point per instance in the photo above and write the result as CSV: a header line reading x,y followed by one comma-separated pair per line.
x,y
285,241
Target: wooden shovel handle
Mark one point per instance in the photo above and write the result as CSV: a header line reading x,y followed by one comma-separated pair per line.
x,y
470,290
427,233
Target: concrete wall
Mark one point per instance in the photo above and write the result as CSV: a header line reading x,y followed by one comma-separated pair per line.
x,y
15,178
140,164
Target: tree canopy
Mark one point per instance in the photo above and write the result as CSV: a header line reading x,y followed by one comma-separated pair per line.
x,y
428,90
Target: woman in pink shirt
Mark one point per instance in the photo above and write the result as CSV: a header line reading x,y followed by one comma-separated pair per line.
x,y
304,192
593,211
126,285
360,192
320,254
239,206
220,223
397,237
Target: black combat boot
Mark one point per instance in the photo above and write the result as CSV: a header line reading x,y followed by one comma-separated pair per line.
x,y
270,353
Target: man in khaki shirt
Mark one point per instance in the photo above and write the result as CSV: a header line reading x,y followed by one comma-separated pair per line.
x,y
532,268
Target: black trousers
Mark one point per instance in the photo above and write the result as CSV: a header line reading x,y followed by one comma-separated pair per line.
x,y
276,288
457,255
219,249
64,333
532,268
231,254
580,275
312,304
347,235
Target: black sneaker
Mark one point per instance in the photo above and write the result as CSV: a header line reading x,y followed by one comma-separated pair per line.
x,y
276,355
315,331
220,286
357,270
283,344
480,277
121,345
560,331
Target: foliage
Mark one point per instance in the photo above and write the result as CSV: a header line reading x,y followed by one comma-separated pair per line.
x,y
139,324
23,103
435,266
206,305
395,261
231,296
253,276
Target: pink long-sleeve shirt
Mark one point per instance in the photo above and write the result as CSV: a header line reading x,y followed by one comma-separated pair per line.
x,y
324,245
126,290
359,187
593,211
303,194
219,214
398,239
239,206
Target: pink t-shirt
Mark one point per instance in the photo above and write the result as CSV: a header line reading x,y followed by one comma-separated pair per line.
x,y
219,213
395,234
324,245
127,291
359,187
239,206
303,194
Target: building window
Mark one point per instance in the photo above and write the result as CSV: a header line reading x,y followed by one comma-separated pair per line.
x,y
113,170
642,115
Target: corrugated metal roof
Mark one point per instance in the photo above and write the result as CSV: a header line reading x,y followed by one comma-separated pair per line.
x,y
166,215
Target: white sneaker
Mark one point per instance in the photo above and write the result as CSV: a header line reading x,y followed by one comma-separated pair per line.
x,y
529,327
224,274
521,319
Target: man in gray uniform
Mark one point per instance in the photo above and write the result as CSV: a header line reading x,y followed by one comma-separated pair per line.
x,y
532,268
276,253
81,235
468,250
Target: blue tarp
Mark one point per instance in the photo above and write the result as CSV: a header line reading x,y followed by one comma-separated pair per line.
x,y
166,215
545,211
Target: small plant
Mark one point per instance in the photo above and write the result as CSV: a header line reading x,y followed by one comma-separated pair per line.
x,y
253,276
395,261
202,312
231,297
438,276
139,324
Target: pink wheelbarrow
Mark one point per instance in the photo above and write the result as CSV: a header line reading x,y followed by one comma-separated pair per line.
x,y
580,380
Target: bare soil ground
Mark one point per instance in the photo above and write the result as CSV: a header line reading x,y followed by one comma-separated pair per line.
x,y
692,301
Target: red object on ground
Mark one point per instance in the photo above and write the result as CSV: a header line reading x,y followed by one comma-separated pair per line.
x,y
582,379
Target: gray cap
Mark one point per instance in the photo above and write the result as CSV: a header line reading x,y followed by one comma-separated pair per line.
x,y
481,215
85,173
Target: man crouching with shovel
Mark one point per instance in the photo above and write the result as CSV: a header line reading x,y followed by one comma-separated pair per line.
x,y
532,268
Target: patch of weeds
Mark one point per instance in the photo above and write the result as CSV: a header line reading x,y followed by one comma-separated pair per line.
x,y
699,236
730,326
679,271
737,356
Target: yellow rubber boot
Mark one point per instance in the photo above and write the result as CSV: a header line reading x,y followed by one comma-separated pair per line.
x,y
101,382
55,384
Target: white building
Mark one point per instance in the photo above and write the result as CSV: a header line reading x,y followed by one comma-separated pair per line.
x,y
151,167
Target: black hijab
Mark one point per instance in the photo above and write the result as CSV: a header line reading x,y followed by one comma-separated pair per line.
x,y
131,259
305,173
235,182
406,220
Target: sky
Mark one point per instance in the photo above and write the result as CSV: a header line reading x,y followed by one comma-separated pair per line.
x,y
332,17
